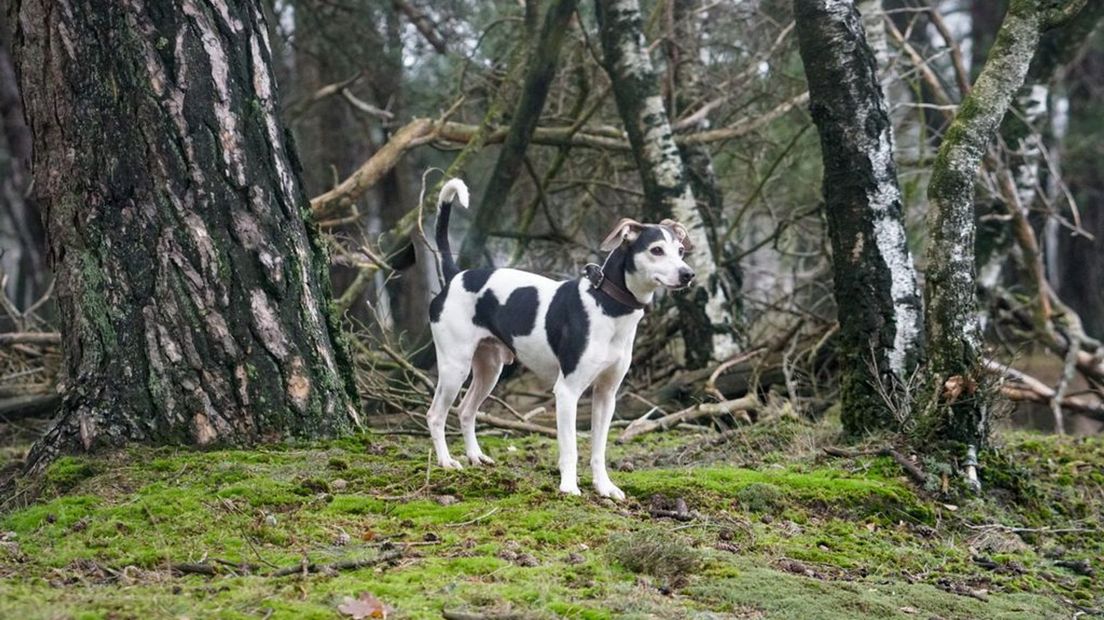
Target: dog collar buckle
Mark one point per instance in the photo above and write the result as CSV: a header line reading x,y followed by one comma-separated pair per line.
x,y
595,274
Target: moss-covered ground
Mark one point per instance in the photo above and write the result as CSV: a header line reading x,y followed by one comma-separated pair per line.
x,y
741,529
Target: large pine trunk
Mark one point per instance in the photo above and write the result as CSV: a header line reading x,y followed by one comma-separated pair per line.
x,y
881,324
193,299
705,315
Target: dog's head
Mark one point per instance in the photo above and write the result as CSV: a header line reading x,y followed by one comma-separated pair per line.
x,y
654,251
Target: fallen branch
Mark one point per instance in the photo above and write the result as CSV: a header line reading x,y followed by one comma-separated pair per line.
x,y
44,338
29,406
641,425
515,425
311,567
1021,386
906,463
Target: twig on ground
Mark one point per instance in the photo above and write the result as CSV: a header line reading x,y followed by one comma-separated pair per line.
x,y
475,520
311,567
906,463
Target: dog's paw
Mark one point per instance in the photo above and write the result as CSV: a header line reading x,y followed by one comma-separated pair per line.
x,y
449,463
570,489
480,459
610,490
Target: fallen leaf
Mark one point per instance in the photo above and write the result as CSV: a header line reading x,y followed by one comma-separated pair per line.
x,y
366,606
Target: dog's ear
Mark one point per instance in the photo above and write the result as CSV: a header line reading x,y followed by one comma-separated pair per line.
x,y
680,233
626,230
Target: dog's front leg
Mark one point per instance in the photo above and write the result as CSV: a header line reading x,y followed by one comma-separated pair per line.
x,y
567,399
603,402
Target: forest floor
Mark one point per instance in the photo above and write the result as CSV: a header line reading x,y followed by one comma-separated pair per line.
x,y
763,525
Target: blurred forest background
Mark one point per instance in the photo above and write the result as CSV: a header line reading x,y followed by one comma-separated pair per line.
x,y
376,93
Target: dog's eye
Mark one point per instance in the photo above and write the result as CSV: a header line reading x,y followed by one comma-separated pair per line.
x,y
682,252
657,251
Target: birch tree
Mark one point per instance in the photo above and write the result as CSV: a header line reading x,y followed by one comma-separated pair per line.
x,y
193,298
881,325
954,338
705,313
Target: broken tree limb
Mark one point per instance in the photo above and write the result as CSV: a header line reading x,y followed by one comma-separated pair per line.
x,y
311,567
30,338
372,171
736,406
424,130
515,425
905,462
1020,386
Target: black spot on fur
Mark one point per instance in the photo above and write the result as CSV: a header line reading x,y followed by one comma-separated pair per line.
x,y
567,326
437,304
476,279
614,269
647,237
506,322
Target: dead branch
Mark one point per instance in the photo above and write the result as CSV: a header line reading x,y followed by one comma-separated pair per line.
x,y
42,338
515,425
311,567
370,173
1021,386
423,24
906,463
738,406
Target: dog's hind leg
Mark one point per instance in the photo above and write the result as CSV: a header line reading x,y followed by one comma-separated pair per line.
x,y
452,369
490,356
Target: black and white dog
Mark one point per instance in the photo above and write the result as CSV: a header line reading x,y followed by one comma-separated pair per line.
x,y
572,334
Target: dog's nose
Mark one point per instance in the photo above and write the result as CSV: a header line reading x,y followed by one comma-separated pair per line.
x,y
685,276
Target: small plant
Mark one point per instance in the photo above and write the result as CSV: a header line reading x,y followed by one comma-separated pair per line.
x,y
658,554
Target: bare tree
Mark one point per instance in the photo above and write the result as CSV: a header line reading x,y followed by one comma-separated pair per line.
x,y
954,338
538,80
193,298
705,315
881,325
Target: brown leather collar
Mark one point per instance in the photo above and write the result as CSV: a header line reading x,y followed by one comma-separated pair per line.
x,y
599,280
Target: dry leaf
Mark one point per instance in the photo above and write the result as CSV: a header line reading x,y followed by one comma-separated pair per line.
x,y
367,606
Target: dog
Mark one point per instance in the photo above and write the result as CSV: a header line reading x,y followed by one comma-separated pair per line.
x,y
573,335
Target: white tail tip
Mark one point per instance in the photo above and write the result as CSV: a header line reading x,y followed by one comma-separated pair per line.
x,y
454,189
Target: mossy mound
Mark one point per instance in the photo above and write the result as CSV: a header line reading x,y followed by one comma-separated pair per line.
x,y
122,535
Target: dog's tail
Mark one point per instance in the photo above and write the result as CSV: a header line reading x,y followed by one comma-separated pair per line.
x,y
453,191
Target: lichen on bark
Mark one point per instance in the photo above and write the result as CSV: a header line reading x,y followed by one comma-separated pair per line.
x,y
194,301
878,302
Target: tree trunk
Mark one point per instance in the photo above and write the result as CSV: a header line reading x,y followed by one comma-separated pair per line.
x,y
684,62
23,238
193,299
705,313
1080,258
880,316
954,338
538,79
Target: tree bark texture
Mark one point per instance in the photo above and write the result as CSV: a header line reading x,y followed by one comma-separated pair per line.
x,y
1081,259
880,316
539,74
193,299
705,312
684,62
22,235
954,338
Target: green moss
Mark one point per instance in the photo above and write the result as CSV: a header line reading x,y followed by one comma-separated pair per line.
x,y
502,539
67,471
